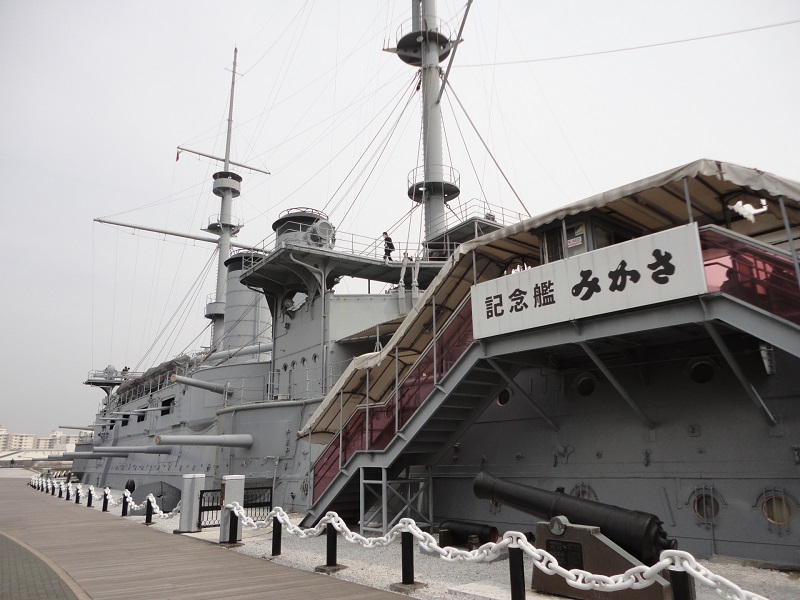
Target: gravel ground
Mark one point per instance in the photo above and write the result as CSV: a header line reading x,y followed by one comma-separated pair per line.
x,y
380,567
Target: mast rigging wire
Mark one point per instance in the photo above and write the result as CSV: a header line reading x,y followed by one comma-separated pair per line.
x,y
499,168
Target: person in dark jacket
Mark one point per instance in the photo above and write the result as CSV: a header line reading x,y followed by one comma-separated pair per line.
x,y
388,246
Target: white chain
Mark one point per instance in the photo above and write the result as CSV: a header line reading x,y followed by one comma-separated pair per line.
x,y
156,510
636,577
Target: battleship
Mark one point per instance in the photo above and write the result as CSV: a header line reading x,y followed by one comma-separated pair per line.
x,y
637,348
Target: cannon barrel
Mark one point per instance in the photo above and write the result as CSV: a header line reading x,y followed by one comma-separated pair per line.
x,y
637,532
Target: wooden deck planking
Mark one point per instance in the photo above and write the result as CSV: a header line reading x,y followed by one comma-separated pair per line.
x,y
113,559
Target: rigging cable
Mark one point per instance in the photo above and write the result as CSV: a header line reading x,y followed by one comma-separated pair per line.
x,y
187,306
630,48
374,138
200,278
499,168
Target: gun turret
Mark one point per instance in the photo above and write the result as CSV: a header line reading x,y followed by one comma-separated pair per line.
x,y
637,532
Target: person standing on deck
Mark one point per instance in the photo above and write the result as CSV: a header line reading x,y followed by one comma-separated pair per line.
x,y
388,247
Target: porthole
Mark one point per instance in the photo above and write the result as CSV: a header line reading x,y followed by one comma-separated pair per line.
x,y
303,361
777,509
285,366
584,384
701,370
503,397
294,364
314,358
706,507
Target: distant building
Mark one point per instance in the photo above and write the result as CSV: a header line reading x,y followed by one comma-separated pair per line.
x,y
57,440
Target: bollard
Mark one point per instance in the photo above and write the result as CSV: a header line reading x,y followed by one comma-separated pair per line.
x,y
407,552
68,488
407,585
105,500
516,570
53,489
149,513
233,530
276,537
89,499
124,505
331,534
77,495
61,491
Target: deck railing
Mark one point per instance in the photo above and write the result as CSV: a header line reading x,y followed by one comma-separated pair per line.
x,y
755,273
374,428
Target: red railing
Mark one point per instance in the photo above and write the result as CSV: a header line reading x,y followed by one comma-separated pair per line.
x,y
382,421
751,272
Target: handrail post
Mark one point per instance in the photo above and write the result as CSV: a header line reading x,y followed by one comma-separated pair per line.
x,y
149,512
330,565
407,550
407,553
61,491
233,530
67,498
124,505
276,536
77,495
89,499
105,500
516,571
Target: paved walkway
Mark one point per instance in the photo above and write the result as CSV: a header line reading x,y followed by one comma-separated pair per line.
x,y
53,549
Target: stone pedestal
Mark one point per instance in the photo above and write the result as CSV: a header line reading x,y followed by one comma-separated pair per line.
x,y
232,491
193,484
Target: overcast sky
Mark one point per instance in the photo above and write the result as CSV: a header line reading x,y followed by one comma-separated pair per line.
x,y
96,96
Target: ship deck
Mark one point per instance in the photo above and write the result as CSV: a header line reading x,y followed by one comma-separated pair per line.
x,y
58,549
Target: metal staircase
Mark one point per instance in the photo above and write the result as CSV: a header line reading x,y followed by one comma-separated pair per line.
x,y
409,432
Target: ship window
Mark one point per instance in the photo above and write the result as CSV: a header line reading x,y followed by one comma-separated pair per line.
x,y
125,420
314,357
553,247
303,361
706,507
140,416
166,406
285,366
776,509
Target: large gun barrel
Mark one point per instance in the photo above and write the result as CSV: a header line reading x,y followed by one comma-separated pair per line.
x,y
638,533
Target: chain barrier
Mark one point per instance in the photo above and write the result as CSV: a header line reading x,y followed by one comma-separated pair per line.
x,y
156,510
637,577
634,578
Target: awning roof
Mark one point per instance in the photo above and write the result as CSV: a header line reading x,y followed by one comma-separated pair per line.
x,y
648,205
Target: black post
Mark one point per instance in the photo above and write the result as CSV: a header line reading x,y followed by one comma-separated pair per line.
x,y
149,513
89,499
516,570
407,552
124,505
332,534
67,493
61,491
53,489
105,501
77,495
276,537
233,530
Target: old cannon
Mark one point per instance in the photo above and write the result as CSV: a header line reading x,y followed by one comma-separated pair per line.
x,y
638,533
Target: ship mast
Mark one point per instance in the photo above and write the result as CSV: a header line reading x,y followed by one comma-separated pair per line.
x,y
227,185
435,184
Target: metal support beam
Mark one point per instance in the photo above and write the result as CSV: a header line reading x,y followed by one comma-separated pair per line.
x,y
748,387
790,238
552,424
617,385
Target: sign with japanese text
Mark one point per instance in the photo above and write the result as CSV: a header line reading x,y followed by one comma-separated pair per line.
x,y
648,270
